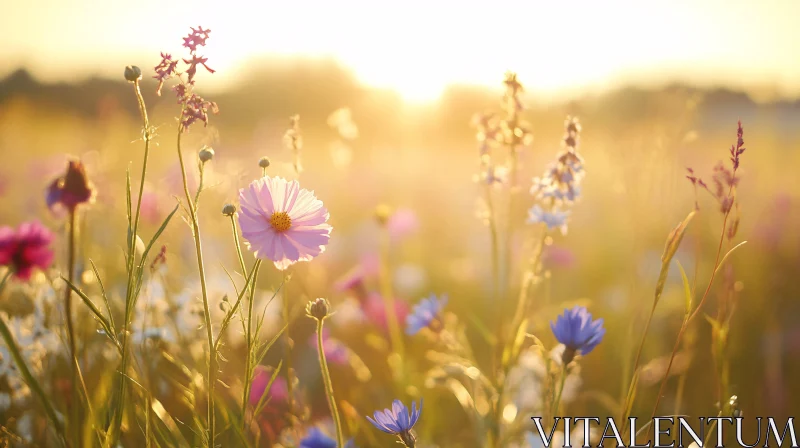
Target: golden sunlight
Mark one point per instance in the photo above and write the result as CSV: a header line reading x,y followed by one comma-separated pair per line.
x,y
417,48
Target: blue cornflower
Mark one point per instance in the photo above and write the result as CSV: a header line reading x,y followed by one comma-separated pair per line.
x,y
578,332
426,314
318,439
398,421
552,219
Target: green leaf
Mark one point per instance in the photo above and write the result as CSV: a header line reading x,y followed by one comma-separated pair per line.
x,y
105,296
687,289
716,271
155,237
488,336
102,320
264,400
30,380
519,337
129,204
251,278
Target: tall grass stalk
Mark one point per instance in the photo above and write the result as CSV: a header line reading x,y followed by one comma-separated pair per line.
x,y
690,317
130,294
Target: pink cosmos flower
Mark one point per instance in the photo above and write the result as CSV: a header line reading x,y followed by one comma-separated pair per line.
x,y
282,222
26,249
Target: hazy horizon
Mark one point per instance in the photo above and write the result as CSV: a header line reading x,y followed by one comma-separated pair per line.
x,y
736,45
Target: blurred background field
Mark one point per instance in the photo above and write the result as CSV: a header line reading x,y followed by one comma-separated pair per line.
x,y
421,157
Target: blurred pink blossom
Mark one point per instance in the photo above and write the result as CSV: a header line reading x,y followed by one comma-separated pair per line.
x,y
560,257
277,393
335,351
375,310
403,222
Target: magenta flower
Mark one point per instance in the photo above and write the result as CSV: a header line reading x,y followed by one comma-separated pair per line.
x,y
26,248
282,222
278,392
197,38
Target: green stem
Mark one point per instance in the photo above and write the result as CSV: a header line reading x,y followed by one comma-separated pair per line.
x,y
248,328
75,407
557,401
212,355
129,295
288,346
632,383
495,248
326,378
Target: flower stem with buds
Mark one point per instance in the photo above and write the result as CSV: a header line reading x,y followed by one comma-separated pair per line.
x,y
212,355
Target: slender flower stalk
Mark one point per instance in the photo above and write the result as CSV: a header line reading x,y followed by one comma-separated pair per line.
x,y
726,201
147,135
71,325
320,310
556,402
287,356
488,136
495,244
230,211
212,355
514,135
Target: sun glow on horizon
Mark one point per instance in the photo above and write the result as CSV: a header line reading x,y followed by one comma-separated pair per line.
x,y
419,48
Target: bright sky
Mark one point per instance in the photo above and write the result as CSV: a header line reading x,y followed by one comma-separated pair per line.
x,y
418,47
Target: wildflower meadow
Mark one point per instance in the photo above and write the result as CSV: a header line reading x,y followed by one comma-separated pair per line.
x,y
179,271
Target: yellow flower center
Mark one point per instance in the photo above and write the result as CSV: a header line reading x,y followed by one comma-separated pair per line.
x,y
280,221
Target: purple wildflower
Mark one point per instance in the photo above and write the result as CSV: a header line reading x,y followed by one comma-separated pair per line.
x,y
426,314
165,70
70,190
552,219
398,421
578,332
